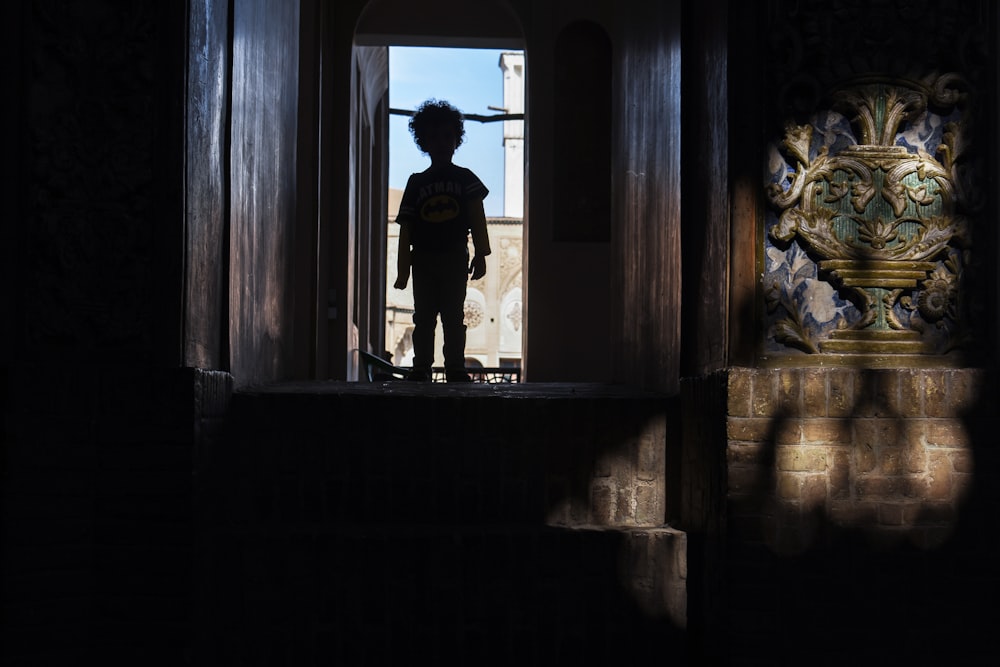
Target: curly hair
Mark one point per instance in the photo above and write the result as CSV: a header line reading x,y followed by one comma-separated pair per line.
x,y
434,113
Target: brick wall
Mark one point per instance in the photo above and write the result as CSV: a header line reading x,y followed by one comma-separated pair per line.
x,y
854,517
886,451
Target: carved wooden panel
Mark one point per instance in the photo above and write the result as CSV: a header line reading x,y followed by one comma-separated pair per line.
x,y
874,181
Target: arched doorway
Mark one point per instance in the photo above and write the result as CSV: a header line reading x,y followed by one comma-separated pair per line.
x,y
384,24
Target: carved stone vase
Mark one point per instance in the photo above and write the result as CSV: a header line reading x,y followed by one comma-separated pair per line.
x,y
881,220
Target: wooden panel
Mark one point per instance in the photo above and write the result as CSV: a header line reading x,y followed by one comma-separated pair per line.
x,y
264,115
646,269
705,162
745,119
207,180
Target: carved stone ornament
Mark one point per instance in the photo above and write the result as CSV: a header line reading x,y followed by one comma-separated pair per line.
x,y
869,199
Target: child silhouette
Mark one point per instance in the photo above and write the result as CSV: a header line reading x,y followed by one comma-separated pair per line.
x,y
439,208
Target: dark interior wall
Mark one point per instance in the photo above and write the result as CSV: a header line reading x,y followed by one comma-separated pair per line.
x,y
263,188
95,416
12,116
307,307
993,296
93,224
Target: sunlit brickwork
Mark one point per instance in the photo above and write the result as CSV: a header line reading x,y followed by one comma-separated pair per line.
x,y
889,452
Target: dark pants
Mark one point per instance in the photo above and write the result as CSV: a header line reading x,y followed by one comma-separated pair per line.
x,y
439,282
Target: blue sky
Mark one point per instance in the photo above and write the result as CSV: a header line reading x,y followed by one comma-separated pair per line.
x,y
471,80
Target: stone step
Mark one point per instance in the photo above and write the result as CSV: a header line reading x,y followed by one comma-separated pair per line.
x,y
369,524
396,452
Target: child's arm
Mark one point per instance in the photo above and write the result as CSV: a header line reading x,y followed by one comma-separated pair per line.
x,y
480,239
403,257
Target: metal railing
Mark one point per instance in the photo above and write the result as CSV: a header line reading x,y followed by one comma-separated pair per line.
x,y
485,375
377,369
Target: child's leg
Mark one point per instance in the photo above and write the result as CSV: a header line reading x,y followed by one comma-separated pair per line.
x,y
426,305
453,286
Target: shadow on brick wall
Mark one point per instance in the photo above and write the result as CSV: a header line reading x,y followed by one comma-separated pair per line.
x,y
861,517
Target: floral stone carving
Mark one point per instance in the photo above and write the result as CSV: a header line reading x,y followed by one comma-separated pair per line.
x,y
878,220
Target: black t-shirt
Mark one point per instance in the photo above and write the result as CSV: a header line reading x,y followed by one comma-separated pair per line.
x,y
435,203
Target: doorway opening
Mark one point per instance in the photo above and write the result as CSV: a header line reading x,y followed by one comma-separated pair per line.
x,y
487,85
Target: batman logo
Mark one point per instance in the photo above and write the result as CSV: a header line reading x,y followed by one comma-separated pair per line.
x,y
440,208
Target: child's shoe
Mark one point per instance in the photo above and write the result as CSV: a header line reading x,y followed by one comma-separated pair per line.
x,y
457,376
419,375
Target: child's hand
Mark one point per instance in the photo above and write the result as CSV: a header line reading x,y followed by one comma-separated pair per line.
x,y
401,280
478,267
